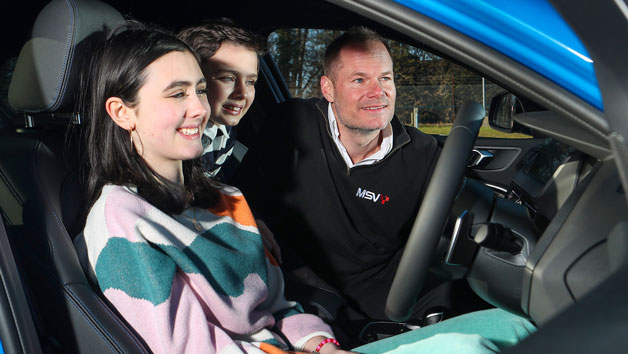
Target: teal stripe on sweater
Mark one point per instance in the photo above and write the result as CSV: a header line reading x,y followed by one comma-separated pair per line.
x,y
224,255
135,268
274,342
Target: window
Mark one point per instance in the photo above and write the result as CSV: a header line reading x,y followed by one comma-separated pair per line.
x,y
430,89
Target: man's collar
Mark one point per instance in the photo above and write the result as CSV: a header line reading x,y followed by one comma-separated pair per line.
x,y
333,125
385,145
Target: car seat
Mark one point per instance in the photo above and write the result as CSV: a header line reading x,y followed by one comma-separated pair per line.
x,y
40,190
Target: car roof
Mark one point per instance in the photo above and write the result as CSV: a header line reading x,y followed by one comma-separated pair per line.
x,y
531,32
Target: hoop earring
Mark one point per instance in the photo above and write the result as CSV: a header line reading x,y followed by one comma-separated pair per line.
x,y
131,138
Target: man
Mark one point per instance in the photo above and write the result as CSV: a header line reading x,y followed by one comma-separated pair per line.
x,y
229,60
339,180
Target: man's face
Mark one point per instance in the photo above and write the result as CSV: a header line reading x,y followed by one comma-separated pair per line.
x,y
231,75
361,88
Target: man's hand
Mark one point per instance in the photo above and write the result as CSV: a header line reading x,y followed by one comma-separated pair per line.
x,y
269,240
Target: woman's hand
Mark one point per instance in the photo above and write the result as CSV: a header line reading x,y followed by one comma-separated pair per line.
x,y
328,348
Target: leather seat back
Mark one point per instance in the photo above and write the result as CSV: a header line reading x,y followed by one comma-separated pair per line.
x,y
41,179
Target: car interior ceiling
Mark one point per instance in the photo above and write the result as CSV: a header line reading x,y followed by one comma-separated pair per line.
x,y
40,182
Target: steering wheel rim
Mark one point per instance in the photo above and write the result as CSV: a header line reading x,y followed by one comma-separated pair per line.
x,y
433,212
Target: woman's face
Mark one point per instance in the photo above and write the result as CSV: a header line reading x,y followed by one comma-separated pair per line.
x,y
171,113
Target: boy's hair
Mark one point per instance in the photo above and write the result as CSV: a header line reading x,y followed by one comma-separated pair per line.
x,y
360,37
207,37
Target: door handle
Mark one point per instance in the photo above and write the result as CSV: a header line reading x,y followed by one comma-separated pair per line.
x,y
479,157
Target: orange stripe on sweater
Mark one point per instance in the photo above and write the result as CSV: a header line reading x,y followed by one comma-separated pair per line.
x,y
235,207
271,349
270,257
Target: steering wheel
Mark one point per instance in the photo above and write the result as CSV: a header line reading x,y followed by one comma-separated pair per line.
x,y
432,216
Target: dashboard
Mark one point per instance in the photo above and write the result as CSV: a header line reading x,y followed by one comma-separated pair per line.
x,y
545,179
557,216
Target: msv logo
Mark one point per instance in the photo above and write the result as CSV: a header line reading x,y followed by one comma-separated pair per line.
x,y
368,195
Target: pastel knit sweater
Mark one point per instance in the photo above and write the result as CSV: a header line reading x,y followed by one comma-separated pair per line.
x,y
184,291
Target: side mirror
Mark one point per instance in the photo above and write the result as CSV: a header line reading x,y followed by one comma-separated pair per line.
x,y
503,107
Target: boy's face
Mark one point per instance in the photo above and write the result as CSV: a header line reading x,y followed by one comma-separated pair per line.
x,y
231,75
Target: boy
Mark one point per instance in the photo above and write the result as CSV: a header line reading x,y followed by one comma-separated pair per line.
x,y
229,60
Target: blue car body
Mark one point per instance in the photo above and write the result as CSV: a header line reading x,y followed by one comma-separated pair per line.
x,y
530,32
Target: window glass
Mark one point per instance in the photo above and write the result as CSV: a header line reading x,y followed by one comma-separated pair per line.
x,y
430,89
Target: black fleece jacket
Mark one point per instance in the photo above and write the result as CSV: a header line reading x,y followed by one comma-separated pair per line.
x,y
348,225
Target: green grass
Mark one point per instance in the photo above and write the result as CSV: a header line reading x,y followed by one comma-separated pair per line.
x,y
485,131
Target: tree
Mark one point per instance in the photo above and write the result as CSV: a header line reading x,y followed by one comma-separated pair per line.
x,y
433,86
298,53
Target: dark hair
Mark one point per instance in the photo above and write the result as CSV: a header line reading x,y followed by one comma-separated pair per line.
x,y
360,37
207,37
117,68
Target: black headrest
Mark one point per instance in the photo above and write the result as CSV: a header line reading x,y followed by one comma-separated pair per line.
x,y
46,74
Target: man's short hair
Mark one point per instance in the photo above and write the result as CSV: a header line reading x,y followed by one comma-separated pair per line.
x,y
360,37
208,36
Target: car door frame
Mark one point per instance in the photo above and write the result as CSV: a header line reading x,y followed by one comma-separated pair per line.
x,y
17,329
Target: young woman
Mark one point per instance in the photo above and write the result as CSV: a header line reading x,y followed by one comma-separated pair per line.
x,y
178,255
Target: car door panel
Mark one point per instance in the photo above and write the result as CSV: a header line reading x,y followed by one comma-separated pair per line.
x,y
497,169
507,153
